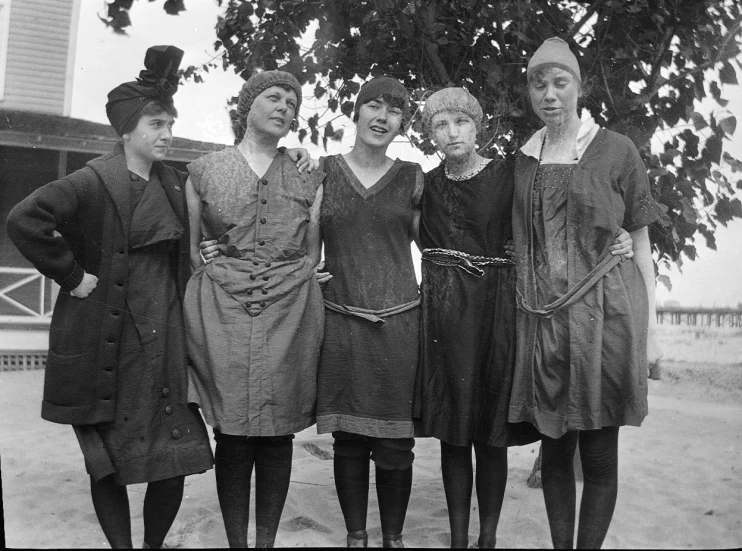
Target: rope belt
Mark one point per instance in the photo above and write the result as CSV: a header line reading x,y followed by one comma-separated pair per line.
x,y
374,316
467,262
575,293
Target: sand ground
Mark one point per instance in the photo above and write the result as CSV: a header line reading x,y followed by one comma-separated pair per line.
x,y
679,477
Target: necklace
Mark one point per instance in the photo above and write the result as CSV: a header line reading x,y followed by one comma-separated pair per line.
x,y
473,172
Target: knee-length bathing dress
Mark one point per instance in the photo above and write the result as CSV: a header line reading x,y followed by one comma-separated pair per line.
x,y
155,435
585,367
370,354
254,316
468,317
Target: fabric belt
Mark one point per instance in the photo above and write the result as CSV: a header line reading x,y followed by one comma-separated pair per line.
x,y
575,293
375,316
467,262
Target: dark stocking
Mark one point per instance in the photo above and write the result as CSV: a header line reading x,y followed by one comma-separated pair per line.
x,y
599,454
272,477
393,487
491,479
458,478
351,483
111,503
234,460
161,504
558,480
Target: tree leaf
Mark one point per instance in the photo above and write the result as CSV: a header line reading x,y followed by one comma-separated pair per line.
x,y
698,121
727,74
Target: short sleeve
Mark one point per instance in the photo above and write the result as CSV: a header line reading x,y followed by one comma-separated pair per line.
x,y
196,171
641,209
417,194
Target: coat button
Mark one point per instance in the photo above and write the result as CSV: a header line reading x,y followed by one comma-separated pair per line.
x,y
255,263
264,201
267,264
168,410
264,292
165,392
252,277
264,182
265,278
175,433
261,242
262,304
249,292
262,220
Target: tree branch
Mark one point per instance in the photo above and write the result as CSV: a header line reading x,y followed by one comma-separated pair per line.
x,y
430,49
594,7
644,98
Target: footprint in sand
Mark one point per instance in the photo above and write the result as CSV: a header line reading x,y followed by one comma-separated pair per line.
x,y
303,523
318,452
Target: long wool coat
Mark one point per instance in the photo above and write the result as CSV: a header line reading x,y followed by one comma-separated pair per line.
x,y
91,211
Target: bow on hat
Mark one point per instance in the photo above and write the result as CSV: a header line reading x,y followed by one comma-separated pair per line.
x,y
158,81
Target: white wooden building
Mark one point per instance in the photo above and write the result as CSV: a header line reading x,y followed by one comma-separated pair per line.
x,y
39,143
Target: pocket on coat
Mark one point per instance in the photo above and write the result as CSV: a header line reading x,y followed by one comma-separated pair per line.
x,y
67,380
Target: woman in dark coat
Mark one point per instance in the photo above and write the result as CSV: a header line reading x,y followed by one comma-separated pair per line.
x,y
114,236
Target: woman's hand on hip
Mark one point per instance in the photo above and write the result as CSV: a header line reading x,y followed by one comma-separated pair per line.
x,y
320,275
623,245
209,251
87,285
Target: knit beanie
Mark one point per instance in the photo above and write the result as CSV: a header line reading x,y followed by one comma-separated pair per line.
x,y
255,86
554,52
451,99
390,89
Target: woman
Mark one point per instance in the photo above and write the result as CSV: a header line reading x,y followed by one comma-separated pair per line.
x,y
367,368
468,334
255,315
581,366
116,368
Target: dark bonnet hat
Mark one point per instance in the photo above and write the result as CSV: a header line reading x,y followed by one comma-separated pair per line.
x,y
157,82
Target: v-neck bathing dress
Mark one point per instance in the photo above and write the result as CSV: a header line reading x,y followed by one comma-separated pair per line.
x,y
369,358
254,316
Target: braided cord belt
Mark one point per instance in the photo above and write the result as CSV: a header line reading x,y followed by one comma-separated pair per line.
x,y
467,262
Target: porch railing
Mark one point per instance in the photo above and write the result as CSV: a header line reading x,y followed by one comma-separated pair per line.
x,y
36,313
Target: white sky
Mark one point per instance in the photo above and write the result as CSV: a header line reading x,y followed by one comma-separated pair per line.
x,y
104,60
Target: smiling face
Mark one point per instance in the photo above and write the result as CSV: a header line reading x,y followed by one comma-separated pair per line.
x,y
151,138
272,112
554,93
378,123
455,134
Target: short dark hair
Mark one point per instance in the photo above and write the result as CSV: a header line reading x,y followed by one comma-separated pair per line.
x,y
154,107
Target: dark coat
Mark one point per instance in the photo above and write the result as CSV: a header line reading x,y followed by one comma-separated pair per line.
x,y
91,211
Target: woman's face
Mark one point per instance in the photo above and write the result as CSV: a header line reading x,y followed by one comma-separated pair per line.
x,y
378,123
554,93
151,138
455,134
273,111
